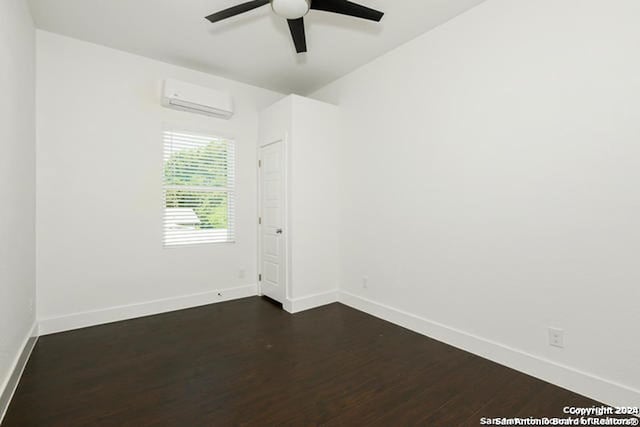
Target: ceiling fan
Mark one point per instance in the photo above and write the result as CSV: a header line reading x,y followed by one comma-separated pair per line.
x,y
295,10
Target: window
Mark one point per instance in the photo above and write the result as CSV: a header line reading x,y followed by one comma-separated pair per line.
x,y
199,180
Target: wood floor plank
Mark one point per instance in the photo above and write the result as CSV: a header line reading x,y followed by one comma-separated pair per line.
x,y
247,362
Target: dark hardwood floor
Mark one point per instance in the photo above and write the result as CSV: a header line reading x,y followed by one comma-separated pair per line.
x,y
246,362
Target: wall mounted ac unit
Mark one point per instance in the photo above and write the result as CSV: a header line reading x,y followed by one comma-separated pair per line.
x,y
195,99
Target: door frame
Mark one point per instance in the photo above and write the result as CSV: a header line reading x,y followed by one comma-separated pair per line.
x,y
286,239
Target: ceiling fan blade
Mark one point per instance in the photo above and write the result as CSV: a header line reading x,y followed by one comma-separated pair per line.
x,y
297,32
236,10
344,7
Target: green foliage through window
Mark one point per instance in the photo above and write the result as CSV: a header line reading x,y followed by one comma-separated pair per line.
x,y
205,169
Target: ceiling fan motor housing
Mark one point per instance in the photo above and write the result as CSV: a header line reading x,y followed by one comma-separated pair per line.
x,y
291,9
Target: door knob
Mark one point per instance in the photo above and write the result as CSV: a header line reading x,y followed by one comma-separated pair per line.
x,y
279,231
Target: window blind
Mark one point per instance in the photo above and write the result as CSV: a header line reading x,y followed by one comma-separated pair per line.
x,y
198,196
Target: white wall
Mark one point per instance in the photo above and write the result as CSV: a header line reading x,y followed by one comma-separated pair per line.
x,y
17,182
492,186
99,201
314,170
312,134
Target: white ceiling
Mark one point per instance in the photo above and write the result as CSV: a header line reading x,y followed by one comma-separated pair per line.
x,y
255,47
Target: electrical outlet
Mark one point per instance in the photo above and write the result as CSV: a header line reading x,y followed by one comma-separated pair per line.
x,y
365,282
556,337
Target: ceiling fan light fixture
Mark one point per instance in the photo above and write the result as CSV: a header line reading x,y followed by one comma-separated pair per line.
x,y
291,9
294,11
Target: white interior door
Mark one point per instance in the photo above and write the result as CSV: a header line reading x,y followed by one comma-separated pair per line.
x,y
272,210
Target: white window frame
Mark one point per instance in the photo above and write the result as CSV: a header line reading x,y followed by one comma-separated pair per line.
x,y
230,189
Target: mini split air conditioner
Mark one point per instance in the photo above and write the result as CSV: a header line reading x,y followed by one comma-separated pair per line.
x,y
195,99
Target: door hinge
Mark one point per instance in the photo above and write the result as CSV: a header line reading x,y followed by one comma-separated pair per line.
x,y
259,277
259,163
260,220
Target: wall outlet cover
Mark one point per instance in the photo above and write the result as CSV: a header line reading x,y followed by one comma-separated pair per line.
x,y
556,337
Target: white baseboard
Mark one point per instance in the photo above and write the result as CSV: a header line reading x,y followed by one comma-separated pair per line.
x,y
10,384
592,386
125,312
312,301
